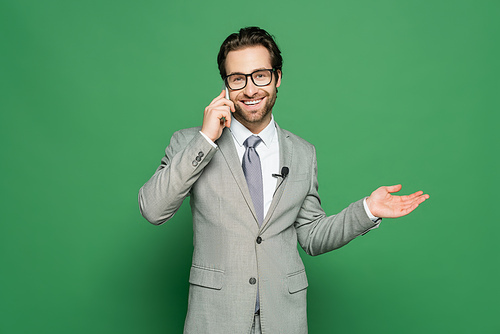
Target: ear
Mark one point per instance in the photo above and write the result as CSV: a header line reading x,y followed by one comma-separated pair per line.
x,y
278,82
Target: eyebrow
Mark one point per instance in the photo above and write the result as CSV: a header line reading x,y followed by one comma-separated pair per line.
x,y
257,69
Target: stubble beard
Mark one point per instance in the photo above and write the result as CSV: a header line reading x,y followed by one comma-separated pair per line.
x,y
257,116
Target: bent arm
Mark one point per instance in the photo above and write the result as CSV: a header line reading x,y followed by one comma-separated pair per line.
x,y
318,233
185,158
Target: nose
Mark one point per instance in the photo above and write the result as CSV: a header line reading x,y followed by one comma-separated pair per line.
x,y
250,89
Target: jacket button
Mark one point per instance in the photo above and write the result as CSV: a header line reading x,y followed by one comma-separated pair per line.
x,y
198,158
195,163
252,280
259,240
200,154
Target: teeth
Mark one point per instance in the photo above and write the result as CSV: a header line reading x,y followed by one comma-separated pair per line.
x,y
251,103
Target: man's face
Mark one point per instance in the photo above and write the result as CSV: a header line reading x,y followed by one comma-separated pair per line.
x,y
253,104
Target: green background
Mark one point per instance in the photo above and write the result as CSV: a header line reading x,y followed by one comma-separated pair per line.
x,y
388,91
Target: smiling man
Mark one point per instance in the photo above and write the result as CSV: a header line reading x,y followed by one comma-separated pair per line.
x,y
254,195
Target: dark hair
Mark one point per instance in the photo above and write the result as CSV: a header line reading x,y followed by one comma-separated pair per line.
x,y
249,36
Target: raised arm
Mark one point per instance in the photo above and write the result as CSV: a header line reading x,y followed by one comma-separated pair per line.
x,y
185,158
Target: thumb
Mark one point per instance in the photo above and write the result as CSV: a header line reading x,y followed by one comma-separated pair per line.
x,y
394,189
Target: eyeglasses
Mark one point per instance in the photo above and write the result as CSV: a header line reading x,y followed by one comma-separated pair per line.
x,y
239,81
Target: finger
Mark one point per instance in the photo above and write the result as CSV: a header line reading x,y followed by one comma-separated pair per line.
x,y
411,197
216,113
224,115
225,95
409,207
222,111
416,194
419,199
393,189
222,101
422,198
220,96
230,104
225,122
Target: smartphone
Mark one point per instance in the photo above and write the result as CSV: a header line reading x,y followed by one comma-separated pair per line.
x,y
223,119
227,90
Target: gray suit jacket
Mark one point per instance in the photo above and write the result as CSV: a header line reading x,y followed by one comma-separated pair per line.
x,y
230,262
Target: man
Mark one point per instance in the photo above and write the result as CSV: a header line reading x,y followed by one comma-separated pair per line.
x,y
253,189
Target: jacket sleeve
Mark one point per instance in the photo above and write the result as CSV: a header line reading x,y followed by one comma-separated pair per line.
x,y
318,233
185,158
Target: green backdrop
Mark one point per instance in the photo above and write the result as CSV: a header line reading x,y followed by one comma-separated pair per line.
x,y
399,91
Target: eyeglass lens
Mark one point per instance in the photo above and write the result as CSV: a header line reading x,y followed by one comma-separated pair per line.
x,y
259,78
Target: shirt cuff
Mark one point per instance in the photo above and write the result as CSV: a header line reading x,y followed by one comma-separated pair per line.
x,y
368,212
209,140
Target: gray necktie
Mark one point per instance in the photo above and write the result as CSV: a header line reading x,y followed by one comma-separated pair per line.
x,y
253,175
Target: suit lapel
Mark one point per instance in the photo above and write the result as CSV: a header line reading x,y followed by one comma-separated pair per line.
x,y
286,153
226,147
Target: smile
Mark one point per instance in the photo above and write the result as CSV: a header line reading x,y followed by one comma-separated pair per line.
x,y
252,102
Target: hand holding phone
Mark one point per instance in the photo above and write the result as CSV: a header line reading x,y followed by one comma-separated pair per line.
x,y
217,116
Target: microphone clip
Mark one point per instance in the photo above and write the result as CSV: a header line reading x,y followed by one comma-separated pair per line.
x,y
284,173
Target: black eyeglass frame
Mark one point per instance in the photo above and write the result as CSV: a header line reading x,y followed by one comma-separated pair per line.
x,y
272,70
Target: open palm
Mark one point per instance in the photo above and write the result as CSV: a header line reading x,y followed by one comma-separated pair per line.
x,y
384,205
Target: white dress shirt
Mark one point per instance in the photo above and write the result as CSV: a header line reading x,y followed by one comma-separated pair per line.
x,y
268,151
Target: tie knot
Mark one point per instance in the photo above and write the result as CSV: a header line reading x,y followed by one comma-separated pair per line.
x,y
252,141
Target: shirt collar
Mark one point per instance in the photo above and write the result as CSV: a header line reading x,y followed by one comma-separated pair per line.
x,y
241,133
